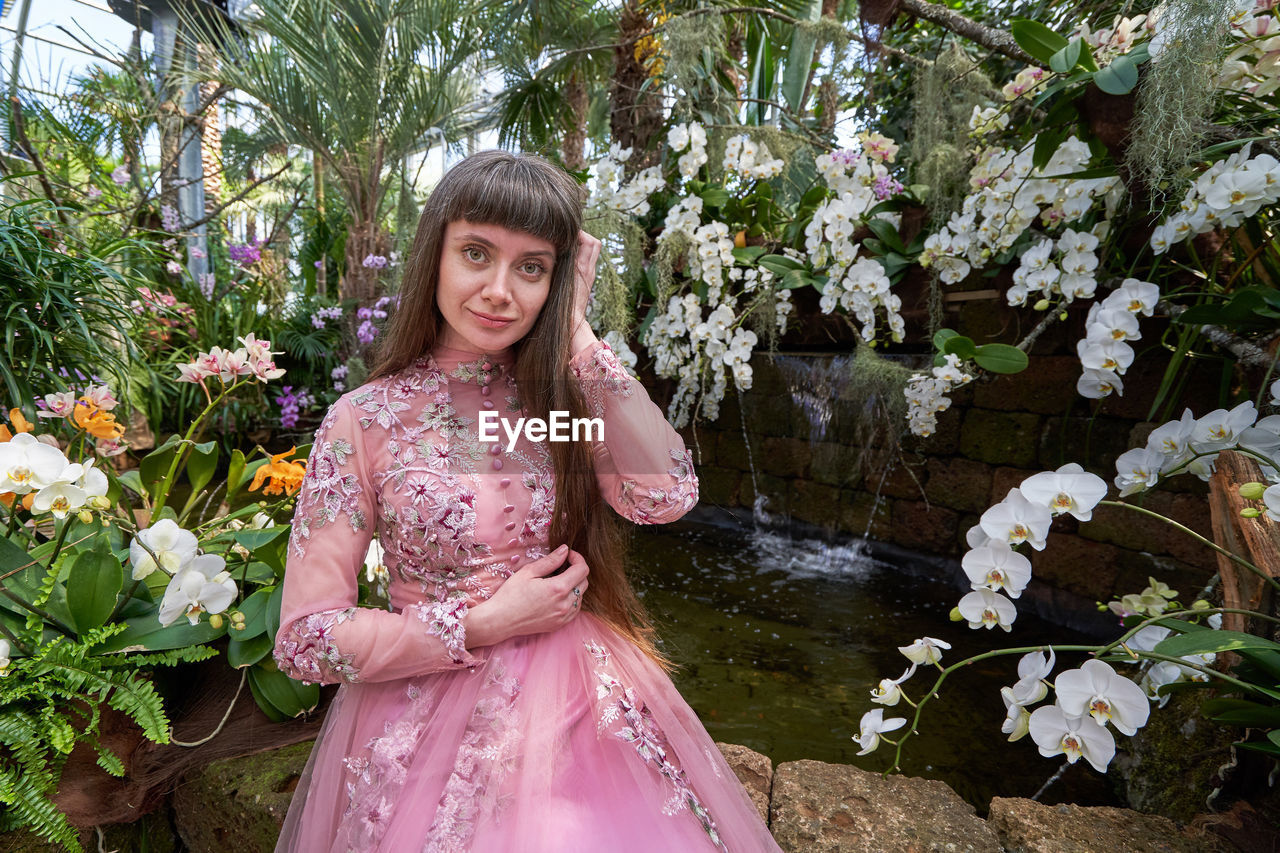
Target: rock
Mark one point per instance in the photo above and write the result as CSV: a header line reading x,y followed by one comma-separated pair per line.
x,y
754,771
239,803
833,808
1026,826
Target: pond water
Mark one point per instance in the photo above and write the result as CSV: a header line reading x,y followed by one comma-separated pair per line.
x,y
779,642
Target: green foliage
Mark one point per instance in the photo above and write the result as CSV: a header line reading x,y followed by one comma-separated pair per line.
x,y
64,309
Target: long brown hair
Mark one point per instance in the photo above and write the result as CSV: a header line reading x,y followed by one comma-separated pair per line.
x,y
526,193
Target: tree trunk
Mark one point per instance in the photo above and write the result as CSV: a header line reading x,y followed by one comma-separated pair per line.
x,y
1255,539
636,116
210,136
575,137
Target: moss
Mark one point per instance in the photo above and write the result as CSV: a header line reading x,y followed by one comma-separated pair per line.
x,y
1178,94
252,793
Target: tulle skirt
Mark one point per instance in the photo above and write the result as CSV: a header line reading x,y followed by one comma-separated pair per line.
x,y
571,741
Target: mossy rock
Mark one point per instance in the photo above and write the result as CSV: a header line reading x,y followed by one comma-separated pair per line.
x,y
239,803
1173,760
153,834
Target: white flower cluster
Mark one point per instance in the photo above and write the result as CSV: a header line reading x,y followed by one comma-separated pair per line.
x,y
1251,66
1104,352
858,286
1226,194
1066,271
1192,444
1009,195
694,137
927,394
683,218
631,197
984,121
618,344
34,464
709,256
199,584
750,159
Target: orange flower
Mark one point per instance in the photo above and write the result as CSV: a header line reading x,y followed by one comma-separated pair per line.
x,y
99,424
20,424
281,477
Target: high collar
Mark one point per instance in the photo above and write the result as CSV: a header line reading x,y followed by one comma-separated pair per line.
x,y
472,366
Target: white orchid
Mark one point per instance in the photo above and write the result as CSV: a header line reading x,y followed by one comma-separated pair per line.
x,y
996,566
203,586
4,658
1134,296
1094,384
1016,520
1055,733
983,608
1221,428
375,569
62,496
1138,470
1271,499
872,725
926,650
1097,690
173,547
1070,489
1173,440
1105,354
29,465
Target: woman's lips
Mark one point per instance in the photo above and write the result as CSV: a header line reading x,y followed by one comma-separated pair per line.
x,y
490,321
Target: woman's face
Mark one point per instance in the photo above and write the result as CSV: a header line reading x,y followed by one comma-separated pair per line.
x,y
493,284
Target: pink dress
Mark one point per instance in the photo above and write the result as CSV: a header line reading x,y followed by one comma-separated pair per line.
x,y
571,740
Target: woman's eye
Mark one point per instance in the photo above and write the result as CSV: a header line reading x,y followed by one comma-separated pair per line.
x,y
533,269
473,254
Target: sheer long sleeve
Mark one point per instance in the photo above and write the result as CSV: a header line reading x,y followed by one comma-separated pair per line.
x,y
644,470
324,637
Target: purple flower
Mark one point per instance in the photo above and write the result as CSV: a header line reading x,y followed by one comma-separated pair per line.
x,y
245,254
92,193
339,372
320,263
207,282
384,301
291,405
364,314
376,262
886,187
197,252
169,219
174,268
366,332
120,175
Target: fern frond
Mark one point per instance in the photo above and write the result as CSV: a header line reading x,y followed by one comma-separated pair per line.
x,y
28,804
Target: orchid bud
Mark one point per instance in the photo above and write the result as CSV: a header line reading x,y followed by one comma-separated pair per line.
x,y
1063,316
85,516
100,502
215,621
1252,491
1200,604
1250,512
1041,305
955,615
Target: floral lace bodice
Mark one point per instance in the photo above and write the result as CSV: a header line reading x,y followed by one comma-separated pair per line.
x,y
402,457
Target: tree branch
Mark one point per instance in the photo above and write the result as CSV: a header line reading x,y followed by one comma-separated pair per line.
x,y
24,142
989,37
1247,353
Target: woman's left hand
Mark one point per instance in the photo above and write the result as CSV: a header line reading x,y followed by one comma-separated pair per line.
x,y
583,280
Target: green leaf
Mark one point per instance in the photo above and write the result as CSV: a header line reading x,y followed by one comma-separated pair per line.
x,y
884,230
146,634
1119,77
779,264
1048,142
941,336
714,197
1258,717
156,463
800,59
1001,358
1204,642
267,544
272,612
959,345
1264,747
246,651
254,609
201,464
1066,58
291,698
235,473
745,255
132,480
1037,39
795,279
93,585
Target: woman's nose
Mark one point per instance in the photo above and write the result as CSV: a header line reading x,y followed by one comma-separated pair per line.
x,y
498,287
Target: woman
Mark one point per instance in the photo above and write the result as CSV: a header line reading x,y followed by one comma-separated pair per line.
x,y
512,699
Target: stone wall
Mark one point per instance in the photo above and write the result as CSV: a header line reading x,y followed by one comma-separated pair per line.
x,y
994,435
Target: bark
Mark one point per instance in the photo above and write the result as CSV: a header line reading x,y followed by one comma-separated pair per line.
x,y
636,115
365,236
1255,539
575,137
210,136
989,37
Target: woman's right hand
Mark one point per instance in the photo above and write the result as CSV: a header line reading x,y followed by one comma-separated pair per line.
x,y
530,602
